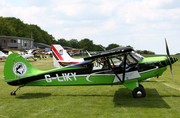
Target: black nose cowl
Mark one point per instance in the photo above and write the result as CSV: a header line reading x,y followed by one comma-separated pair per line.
x,y
172,60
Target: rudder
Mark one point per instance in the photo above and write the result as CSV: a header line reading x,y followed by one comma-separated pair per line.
x,y
17,67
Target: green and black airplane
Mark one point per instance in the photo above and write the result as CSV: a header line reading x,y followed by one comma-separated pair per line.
x,y
118,66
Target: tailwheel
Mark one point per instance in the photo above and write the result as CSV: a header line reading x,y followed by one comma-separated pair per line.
x,y
14,92
139,92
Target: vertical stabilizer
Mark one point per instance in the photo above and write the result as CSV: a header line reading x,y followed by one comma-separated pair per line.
x,y
61,57
56,63
57,51
16,67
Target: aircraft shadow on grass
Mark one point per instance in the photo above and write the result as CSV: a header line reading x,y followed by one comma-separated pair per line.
x,y
86,95
33,95
42,95
122,98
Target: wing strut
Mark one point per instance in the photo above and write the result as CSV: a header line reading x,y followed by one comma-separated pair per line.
x,y
122,81
124,71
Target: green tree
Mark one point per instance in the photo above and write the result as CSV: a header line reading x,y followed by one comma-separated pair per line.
x,y
74,43
37,36
129,46
63,42
86,44
54,41
144,52
5,28
98,47
10,26
111,46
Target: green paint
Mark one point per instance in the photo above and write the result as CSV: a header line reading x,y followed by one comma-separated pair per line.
x,y
153,59
131,84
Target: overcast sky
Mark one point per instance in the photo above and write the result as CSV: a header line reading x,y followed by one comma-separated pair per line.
x,y
143,24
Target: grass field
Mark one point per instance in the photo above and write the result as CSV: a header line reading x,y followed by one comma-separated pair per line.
x,y
162,99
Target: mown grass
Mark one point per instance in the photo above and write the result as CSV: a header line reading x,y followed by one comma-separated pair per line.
x,y
162,100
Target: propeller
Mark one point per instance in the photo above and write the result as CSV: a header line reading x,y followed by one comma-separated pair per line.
x,y
167,51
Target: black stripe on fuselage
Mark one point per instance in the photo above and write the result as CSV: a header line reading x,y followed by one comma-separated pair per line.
x,y
151,65
22,81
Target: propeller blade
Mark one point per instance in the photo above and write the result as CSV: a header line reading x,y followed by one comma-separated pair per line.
x,y
171,72
167,49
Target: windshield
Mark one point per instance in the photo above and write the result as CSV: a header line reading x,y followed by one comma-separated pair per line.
x,y
137,56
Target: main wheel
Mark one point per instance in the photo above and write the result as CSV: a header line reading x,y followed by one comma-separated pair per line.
x,y
139,92
140,85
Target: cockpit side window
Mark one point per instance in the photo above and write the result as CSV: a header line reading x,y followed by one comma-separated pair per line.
x,y
131,60
100,64
115,62
118,62
104,63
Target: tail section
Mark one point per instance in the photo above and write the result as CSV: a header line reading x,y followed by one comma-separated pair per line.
x,y
57,51
61,57
17,70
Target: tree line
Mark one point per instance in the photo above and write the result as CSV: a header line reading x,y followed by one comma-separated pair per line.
x,y
85,44
10,26
88,44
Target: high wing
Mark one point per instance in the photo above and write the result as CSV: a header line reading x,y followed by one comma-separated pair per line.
x,y
15,50
27,53
31,51
111,52
22,52
35,51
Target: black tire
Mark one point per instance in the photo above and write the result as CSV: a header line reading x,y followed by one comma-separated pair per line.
x,y
13,93
139,92
140,85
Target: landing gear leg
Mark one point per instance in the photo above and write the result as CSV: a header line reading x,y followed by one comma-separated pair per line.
x,y
136,88
14,92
